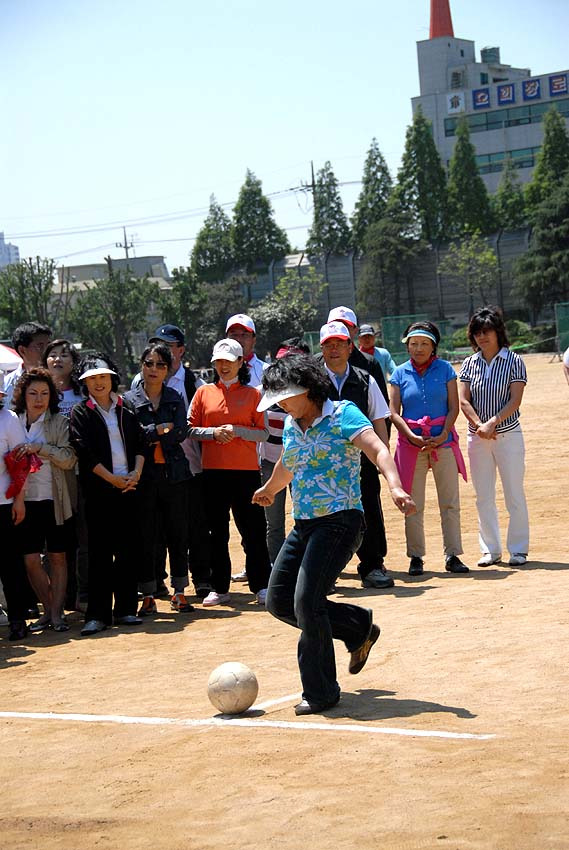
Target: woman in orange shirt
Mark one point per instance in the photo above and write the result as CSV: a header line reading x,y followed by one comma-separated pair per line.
x,y
224,416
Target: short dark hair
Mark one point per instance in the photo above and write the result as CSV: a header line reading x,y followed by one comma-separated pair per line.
x,y
488,318
303,370
75,356
25,333
90,362
243,375
296,342
36,373
160,348
430,327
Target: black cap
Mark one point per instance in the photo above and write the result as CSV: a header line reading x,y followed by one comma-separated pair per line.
x,y
168,333
366,329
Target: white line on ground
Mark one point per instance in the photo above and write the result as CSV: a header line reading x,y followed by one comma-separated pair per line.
x,y
241,721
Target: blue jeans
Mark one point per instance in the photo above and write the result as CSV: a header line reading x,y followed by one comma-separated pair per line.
x,y
311,559
274,514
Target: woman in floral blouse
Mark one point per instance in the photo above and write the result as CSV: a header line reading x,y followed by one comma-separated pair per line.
x,y
322,441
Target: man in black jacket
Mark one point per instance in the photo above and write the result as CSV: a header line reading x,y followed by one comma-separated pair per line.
x,y
374,548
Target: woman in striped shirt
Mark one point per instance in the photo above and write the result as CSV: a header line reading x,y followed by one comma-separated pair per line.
x,y
492,382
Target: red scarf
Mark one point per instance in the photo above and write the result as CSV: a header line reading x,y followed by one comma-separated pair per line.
x,y
422,369
368,350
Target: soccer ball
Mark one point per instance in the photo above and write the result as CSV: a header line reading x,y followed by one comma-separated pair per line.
x,y
232,687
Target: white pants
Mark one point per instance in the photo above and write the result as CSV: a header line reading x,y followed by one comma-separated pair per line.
x,y
507,454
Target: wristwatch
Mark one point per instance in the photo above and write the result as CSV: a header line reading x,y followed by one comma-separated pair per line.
x,y
165,430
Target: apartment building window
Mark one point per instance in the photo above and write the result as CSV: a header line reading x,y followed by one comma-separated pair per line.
x,y
511,117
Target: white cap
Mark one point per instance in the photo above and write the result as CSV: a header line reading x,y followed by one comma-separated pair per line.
x,y
227,349
274,396
100,368
243,320
334,330
343,314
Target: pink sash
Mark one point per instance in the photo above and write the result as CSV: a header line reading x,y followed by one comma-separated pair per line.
x,y
406,453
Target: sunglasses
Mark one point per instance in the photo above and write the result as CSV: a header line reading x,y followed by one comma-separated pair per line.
x,y
158,364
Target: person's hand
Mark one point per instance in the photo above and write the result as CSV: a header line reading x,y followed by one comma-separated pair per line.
x,y
487,430
415,440
223,434
262,497
434,442
18,509
403,501
162,425
133,479
120,481
26,449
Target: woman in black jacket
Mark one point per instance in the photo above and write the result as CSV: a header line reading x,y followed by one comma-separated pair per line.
x,y
110,447
163,489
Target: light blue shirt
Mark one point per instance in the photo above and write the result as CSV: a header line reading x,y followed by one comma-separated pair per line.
x,y
324,461
385,360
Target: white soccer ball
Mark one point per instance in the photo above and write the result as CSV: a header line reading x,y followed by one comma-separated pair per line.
x,y
232,687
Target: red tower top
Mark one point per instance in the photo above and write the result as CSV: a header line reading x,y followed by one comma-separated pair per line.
x,y
441,21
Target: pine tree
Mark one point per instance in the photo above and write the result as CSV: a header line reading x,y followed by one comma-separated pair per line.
x,y
421,182
256,237
212,256
543,273
330,232
552,162
508,204
376,189
469,205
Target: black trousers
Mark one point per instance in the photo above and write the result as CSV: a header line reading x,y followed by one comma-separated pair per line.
x,y
113,528
163,515
12,570
374,545
232,489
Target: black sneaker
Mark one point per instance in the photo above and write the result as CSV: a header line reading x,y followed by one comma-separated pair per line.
x,y
360,655
416,566
453,564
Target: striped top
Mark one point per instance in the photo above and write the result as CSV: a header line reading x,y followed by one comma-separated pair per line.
x,y
490,385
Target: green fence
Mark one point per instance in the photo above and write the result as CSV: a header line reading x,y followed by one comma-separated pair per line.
x,y
562,323
393,328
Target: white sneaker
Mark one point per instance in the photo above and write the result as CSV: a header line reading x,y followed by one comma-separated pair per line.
x,y
4,616
242,576
488,559
215,598
262,596
517,560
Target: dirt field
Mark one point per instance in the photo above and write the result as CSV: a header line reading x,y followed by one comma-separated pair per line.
x,y
484,656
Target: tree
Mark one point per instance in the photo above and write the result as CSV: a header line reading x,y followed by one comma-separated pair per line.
x,y
508,204
390,249
552,162
542,275
28,293
202,309
255,235
372,202
330,233
421,182
289,310
212,256
471,263
107,315
469,205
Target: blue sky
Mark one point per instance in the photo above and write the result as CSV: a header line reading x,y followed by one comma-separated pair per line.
x,y
130,111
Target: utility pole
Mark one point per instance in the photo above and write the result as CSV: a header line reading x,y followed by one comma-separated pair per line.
x,y
126,245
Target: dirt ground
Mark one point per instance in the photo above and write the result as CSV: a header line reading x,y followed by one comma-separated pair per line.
x,y
483,656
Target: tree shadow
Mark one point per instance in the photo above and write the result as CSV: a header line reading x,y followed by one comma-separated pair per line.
x,y
375,704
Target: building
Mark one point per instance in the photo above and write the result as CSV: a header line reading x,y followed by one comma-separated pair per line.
x,y
8,253
504,106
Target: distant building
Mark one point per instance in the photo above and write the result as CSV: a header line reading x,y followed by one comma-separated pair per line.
x,y
504,106
8,253
155,267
